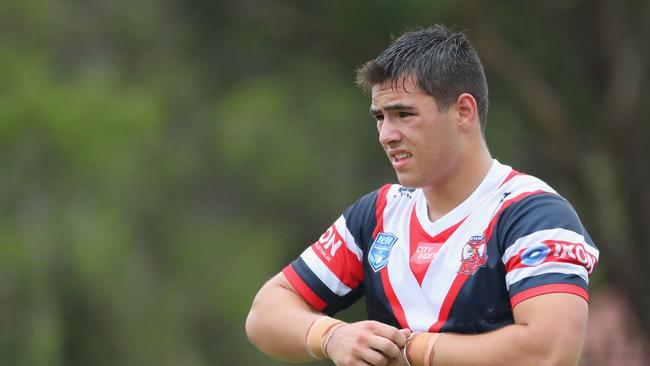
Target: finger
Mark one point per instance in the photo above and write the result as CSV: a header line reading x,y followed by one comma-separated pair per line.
x,y
407,332
384,345
361,363
389,332
395,362
374,358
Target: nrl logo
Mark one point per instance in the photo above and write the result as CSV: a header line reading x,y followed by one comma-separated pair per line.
x,y
406,192
474,255
380,250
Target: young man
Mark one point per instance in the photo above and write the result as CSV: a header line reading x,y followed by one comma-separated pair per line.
x,y
465,262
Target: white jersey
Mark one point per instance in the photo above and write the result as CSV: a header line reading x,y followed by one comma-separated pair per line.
x,y
513,238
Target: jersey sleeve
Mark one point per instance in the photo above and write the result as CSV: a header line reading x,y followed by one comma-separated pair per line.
x,y
545,248
329,273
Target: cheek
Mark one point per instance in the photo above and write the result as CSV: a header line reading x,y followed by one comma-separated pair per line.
x,y
434,140
440,146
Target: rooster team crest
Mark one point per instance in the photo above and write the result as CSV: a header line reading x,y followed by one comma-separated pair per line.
x,y
380,250
474,255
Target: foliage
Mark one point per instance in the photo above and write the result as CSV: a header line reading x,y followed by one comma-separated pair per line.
x,y
161,160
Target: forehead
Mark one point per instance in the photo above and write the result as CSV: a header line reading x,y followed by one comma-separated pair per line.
x,y
402,90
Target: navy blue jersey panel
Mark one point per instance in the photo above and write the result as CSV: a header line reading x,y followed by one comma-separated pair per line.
x,y
535,213
377,305
483,303
345,301
361,220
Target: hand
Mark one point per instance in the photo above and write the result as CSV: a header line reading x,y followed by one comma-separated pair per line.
x,y
365,343
399,361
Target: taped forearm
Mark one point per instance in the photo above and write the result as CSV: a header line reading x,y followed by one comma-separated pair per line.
x,y
319,335
420,349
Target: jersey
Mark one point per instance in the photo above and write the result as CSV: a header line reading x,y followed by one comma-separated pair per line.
x,y
513,238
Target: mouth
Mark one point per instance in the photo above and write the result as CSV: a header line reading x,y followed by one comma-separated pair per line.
x,y
401,156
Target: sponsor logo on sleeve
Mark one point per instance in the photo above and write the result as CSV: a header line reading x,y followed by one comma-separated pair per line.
x,y
380,250
558,251
474,255
535,255
572,252
328,244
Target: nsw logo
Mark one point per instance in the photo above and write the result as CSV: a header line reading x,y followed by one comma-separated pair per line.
x,y
380,250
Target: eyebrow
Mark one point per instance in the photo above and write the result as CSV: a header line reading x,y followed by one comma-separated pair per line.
x,y
392,107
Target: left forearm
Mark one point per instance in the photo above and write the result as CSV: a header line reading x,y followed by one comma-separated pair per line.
x,y
549,330
516,344
511,345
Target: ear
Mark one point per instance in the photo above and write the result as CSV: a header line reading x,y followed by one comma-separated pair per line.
x,y
467,111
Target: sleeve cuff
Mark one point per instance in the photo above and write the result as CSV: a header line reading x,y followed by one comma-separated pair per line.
x,y
549,289
303,289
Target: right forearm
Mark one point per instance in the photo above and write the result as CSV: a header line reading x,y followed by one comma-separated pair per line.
x,y
281,324
279,320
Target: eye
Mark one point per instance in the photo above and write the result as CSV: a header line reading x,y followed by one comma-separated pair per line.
x,y
378,117
404,114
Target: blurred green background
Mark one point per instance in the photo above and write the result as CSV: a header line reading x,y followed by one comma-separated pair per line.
x,y
162,159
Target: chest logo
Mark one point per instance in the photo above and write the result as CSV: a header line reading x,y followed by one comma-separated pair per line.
x,y
425,252
380,250
474,255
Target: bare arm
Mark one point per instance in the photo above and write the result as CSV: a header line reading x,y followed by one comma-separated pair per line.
x,y
280,319
549,330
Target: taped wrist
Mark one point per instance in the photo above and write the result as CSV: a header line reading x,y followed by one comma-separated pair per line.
x,y
319,334
419,349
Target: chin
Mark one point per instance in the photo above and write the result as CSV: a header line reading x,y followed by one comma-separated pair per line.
x,y
407,181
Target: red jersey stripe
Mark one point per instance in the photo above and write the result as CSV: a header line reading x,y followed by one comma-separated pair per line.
x,y
379,212
458,283
513,173
302,288
398,310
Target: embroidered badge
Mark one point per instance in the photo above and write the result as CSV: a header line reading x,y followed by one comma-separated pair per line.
x,y
474,255
380,250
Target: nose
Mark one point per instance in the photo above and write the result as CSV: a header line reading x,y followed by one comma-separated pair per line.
x,y
388,132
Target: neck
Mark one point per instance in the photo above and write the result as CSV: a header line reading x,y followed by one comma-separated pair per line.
x,y
465,178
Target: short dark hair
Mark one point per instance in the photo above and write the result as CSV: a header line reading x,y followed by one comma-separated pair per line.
x,y
443,63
